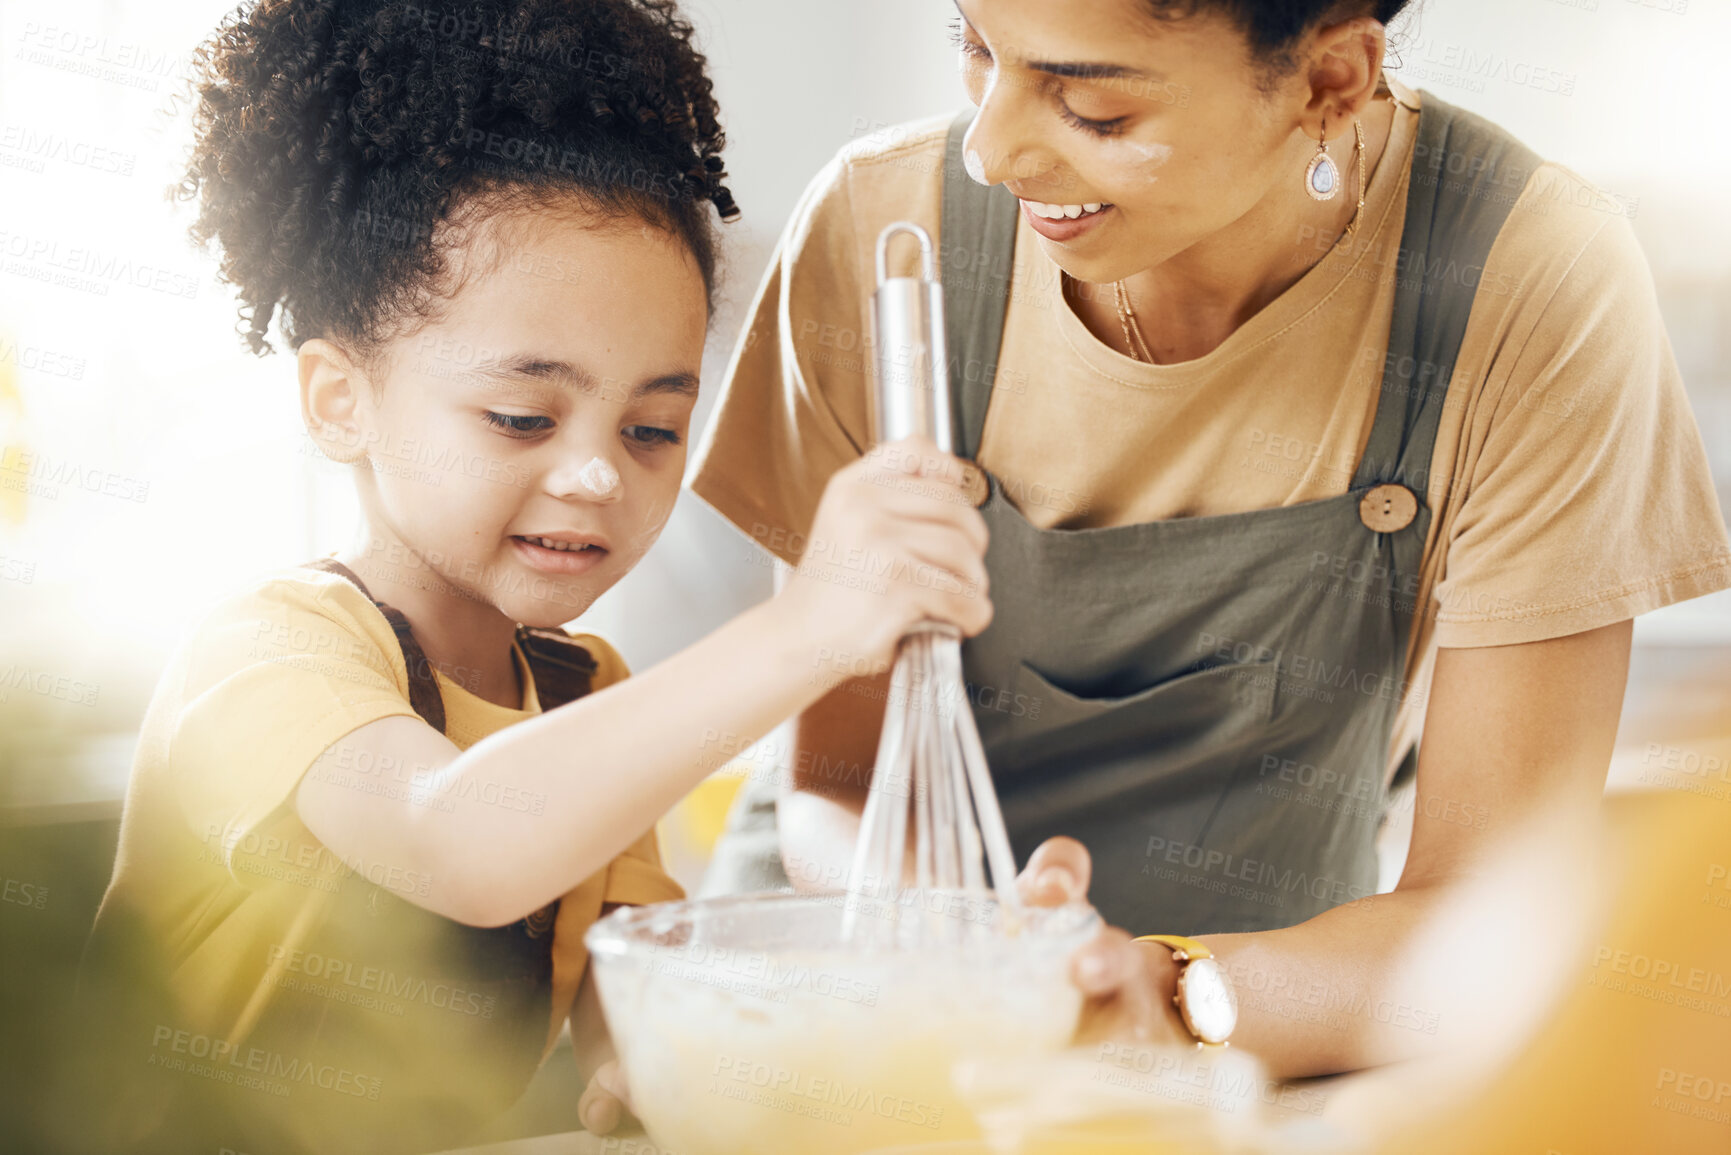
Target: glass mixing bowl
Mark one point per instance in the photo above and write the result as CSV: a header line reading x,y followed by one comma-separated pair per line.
x,y
746,1024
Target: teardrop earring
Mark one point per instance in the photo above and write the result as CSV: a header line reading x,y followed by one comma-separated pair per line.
x,y
1322,176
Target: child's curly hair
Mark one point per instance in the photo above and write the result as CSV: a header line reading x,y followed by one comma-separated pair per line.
x,y
337,139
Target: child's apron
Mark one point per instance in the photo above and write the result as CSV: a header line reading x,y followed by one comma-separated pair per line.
x,y
476,1001
1207,703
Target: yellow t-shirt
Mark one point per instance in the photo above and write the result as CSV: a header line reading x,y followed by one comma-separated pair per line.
x,y
217,877
1569,485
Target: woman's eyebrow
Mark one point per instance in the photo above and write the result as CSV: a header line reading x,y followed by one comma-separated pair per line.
x,y
1077,69
1080,70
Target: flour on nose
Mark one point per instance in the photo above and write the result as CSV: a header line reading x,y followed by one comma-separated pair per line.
x,y
598,477
975,166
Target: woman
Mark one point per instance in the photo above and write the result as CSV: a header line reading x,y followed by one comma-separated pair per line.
x,y
1318,415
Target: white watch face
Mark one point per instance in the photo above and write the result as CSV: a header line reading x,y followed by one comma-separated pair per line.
x,y
1208,1001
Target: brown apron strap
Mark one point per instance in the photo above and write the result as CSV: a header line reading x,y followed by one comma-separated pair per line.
x,y
423,687
562,668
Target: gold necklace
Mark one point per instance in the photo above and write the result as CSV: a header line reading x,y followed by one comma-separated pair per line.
x,y
1127,321
1358,159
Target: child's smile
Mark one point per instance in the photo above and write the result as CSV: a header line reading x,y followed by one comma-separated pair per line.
x,y
561,553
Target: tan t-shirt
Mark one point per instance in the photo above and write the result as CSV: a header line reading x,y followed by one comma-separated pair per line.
x,y
1569,485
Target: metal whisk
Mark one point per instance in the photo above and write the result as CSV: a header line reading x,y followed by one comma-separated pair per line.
x,y
929,756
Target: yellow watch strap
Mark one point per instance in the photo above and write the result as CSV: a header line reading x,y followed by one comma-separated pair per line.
x,y
1178,944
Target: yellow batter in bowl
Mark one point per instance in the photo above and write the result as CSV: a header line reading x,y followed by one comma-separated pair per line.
x,y
747,1026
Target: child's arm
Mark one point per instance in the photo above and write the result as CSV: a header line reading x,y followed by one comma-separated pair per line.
x,y
894,541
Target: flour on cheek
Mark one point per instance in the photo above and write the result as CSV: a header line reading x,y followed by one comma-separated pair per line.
x,y
1144,157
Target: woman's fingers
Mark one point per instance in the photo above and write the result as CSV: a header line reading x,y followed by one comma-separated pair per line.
x,y
599,1109
1058,871
1127,991
1116,1005
612,1077
606,1100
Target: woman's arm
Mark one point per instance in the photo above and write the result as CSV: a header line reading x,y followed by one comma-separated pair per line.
x,y
834,746
1512,733
1519,734
835,743
605,767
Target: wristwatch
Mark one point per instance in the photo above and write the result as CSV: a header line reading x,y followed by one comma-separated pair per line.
x,y
1206,1001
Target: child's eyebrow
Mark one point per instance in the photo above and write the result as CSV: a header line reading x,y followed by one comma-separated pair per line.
x,y
575,377
681,383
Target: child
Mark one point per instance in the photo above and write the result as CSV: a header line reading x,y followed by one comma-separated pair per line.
x,y
378,800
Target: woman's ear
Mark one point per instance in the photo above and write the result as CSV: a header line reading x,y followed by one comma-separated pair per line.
x,y
331,388
1344,68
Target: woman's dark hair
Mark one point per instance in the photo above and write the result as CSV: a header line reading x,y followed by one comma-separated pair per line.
x,y
1273,27
336,140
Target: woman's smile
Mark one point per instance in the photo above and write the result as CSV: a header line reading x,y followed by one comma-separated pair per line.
x,y
1063,222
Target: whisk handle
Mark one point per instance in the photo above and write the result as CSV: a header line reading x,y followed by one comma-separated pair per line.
x,y
911,391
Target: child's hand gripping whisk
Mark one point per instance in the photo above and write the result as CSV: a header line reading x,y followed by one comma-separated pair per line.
x,y
929,756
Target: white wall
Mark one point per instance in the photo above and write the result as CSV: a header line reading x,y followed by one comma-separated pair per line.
x,y
166,398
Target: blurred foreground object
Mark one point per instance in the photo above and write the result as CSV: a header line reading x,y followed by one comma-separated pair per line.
x,y
1638,1057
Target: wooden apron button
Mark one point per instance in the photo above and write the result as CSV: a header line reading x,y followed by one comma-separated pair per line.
x,y
1388,508
974,481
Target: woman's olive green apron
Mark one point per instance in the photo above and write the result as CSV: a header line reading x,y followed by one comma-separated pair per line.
x,y
1207,703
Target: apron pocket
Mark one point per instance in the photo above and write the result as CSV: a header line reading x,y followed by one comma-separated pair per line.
x,y
1247,686
1069,754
